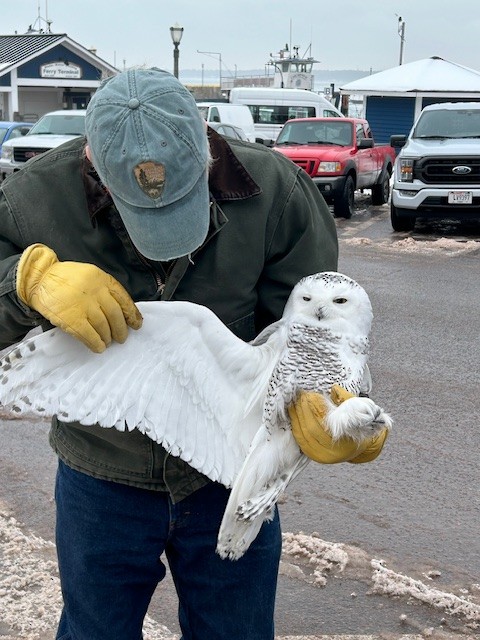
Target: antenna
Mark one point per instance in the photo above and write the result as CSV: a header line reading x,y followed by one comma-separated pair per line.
x,y
38,22
49,22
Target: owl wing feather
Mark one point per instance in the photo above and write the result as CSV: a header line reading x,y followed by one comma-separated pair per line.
x,y
184,379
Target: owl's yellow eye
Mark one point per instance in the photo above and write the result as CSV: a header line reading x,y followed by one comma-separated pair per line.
x,y
306,298
340,300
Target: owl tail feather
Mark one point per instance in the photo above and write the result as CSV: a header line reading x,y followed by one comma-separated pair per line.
x,y
273,461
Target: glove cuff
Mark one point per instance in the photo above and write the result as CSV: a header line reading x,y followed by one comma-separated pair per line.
x,y
34,262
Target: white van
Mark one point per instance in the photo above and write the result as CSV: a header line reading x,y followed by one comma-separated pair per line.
x,y
271,108
236,114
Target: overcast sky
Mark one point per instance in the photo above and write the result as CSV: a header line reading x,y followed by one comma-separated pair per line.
x,y
344,34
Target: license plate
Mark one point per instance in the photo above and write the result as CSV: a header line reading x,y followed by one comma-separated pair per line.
x,y
460,197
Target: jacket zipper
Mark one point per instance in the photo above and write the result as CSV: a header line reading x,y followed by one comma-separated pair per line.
x,y
159,283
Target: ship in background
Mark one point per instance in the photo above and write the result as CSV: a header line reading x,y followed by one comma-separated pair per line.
x,y
290,71
286,69
293,71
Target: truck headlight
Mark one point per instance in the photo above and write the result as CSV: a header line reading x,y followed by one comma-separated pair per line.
x,y
7,153
329,167
405,173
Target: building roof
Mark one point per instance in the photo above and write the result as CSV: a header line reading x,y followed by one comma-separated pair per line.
x,y
16,48
423,76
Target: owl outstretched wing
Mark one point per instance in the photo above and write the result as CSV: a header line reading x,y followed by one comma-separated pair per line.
x,y
184,379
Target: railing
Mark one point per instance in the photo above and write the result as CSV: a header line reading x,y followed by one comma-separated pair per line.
x,y
229,82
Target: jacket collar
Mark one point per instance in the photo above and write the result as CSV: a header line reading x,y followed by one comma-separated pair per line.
x,y
228,178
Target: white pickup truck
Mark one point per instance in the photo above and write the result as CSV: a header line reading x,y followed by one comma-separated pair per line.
x,y
52,130
437,172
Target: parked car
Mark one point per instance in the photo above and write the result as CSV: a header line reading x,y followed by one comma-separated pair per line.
x,y
340,156
235,114
229,131
11,130
52,130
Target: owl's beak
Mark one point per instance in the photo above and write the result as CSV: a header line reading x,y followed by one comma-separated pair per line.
x,y
320,314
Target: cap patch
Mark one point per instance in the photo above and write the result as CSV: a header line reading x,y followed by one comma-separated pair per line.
x,y
151,178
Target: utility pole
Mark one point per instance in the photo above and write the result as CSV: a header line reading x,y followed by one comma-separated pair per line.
x,y
211,54
401,33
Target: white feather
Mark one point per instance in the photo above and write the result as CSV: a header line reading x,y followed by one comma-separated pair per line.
x,y
182,379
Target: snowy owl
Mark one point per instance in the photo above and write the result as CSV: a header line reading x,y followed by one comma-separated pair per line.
x,y
186,381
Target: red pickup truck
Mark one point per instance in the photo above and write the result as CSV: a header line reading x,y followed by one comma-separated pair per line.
x,y
340,156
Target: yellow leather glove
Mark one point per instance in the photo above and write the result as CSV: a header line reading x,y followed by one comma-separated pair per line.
x,y
307,416
78,297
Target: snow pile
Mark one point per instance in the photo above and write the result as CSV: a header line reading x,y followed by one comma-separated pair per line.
x,y
388,582
321,557
313,560
449,245
410,245
29,585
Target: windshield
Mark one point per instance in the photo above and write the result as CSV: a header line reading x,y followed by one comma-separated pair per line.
x,y
60,124
448,123
316,132
3,133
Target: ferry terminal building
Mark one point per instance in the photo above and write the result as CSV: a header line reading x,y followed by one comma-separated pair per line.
x,y
42,72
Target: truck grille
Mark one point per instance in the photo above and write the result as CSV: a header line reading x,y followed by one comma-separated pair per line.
x,y
22,154
307,165
440,170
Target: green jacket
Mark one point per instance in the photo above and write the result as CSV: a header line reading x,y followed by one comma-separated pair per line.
x,y
269,227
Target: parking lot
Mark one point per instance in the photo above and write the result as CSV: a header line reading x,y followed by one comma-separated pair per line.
x,y
385,550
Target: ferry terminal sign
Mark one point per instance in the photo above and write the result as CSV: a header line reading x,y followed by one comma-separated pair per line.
x,y
61,70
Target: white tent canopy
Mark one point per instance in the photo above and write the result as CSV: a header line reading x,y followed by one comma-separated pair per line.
x,y
430,75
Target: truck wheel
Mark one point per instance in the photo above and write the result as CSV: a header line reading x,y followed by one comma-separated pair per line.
x,y
403,222
343,204
381,191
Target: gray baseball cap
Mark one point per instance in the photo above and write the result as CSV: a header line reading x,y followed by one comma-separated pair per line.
x,y
148,143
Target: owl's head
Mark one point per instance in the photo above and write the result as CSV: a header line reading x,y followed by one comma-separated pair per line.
x,y
331,300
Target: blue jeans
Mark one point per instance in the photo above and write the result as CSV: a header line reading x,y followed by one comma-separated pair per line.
x,y
109,541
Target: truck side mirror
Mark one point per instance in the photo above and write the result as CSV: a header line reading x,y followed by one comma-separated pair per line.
x,y
267,142
397,142
366,143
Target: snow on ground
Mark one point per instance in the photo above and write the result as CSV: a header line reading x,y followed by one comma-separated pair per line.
x,y
411,245
388,582
31,600
319,558
28,580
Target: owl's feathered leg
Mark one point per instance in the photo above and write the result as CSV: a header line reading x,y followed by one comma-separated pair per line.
x,y
357,418
272,462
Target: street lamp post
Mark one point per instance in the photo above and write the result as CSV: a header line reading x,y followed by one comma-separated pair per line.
x,y
176,32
